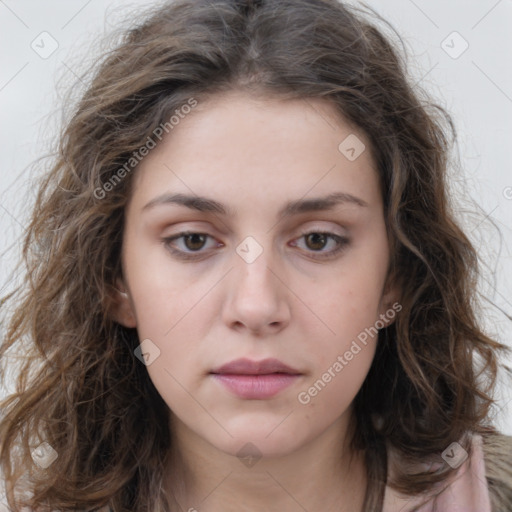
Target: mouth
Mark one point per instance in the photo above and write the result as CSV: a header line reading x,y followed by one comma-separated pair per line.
x,y
256,380
249,367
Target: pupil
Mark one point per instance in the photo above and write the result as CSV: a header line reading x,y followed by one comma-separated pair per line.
x,y
192,236
316,236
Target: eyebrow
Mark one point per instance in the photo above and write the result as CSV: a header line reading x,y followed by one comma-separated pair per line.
x,y
205,204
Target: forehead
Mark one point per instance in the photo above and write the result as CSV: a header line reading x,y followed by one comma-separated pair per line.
x,y
234,144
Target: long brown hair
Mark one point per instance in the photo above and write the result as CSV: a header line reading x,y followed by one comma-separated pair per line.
x,y
80,387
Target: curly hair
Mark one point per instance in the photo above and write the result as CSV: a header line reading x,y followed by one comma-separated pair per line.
x,y
81,389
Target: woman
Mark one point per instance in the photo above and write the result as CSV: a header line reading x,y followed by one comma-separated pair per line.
x,y
317,350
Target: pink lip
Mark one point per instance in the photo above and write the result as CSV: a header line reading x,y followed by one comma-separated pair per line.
x,y
247,367
256,380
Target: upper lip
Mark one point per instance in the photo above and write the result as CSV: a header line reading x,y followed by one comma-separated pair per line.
x,y
248,367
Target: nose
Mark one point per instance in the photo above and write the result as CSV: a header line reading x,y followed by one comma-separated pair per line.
x,y
257,298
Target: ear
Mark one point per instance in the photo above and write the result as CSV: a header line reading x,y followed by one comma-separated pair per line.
x,y
121,306
390,301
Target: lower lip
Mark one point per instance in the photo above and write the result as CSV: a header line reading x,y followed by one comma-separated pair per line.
x,y
256,387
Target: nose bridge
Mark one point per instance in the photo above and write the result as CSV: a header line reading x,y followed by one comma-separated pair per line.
x,y
256,296
255,260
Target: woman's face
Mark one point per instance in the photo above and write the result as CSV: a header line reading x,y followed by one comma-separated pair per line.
x,y
258,181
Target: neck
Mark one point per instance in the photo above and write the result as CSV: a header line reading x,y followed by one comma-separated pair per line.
x,y
324,474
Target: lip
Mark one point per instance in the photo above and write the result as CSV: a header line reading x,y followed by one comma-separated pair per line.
x,y
246,366
256,380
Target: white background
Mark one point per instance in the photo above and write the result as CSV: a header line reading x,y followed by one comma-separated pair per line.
x,y
475,87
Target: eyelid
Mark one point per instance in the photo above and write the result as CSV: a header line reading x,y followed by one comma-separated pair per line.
x,y
342,242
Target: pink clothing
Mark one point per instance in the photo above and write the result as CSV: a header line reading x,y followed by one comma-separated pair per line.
x,y
468,491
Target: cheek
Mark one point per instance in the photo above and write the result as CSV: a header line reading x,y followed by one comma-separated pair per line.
x,y
168,304
343,304
164,293
341,360
342,333
331,394
173,383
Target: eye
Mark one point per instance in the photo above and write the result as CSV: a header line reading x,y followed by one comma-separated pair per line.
x,y
318,240
193,242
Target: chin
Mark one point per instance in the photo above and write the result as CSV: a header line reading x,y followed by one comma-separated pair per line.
x,y
257,441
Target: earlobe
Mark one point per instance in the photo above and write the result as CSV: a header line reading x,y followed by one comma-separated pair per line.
x,y
121,309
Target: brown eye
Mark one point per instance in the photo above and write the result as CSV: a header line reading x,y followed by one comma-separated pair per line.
x,y
316,241
190,243
194,241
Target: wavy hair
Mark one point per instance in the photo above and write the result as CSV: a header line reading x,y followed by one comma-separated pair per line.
x,y
81,389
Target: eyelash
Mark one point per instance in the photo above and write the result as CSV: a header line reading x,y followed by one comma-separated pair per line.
x,y
340,240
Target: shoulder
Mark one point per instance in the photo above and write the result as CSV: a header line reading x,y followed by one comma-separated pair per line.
x,y
497,450
481,483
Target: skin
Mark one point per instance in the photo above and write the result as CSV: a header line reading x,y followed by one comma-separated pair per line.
x,y
254,155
